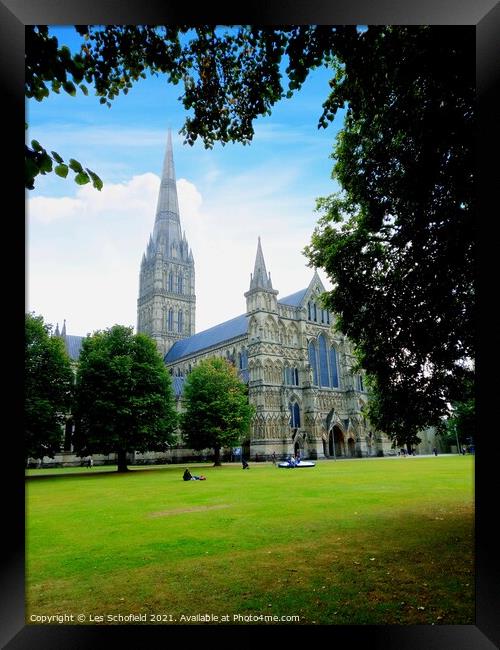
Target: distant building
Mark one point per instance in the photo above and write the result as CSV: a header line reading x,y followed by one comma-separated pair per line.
x,y
73,344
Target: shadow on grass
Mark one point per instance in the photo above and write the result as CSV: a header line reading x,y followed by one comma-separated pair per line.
x,y
110,470
96,473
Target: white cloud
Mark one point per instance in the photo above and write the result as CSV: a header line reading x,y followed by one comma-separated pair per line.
x,y
85,251
45,209
189,199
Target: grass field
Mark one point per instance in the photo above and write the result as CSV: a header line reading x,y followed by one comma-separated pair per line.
x,y
369,541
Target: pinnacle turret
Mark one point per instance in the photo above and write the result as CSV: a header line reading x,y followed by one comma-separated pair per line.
x,y
260,279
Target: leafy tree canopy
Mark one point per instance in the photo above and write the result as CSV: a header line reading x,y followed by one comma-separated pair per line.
x,y
47,389
399,240
230,75
124,398
216,409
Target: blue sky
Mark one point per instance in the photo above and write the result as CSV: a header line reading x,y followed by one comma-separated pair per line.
x,y
84,246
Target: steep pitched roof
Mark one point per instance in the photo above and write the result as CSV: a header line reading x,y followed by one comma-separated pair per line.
x,y
218,334
294,299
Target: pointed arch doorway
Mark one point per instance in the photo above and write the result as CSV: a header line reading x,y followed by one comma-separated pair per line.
x,y
336,442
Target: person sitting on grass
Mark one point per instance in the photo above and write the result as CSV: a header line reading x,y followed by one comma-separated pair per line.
x,y
245,464
187,476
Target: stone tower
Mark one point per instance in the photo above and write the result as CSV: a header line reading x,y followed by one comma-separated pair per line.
x,y
167,302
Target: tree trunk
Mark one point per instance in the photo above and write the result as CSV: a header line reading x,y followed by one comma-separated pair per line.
x,y
122,460
217,457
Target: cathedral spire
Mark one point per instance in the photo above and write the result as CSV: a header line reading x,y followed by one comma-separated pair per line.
x,y
167,223
166,306
260,278
63,331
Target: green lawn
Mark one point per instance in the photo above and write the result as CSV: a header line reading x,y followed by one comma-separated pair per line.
x,y
378,541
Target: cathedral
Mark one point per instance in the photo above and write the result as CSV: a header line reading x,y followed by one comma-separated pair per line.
x,y
298,367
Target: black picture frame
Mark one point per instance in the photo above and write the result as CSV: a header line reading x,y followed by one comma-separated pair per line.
x,y
484,15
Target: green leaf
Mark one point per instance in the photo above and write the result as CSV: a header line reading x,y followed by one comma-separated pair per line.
x,y
96,181
56,157
75,165
41,92
31,170
45,163
61,170
36,145
65,52
82,178
84,89
69,87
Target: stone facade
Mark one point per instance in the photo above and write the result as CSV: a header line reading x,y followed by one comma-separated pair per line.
x,y
298,368
299,373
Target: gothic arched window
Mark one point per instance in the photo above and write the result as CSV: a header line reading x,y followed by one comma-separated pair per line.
x,y
180,321
294,415
243,360
170,322
180,286
334,371
313,363
323,362
170,281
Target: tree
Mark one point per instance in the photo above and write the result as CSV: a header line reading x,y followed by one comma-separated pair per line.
x,y
216,409
124,397
47,389
46,62
460,427
230,75
399,240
